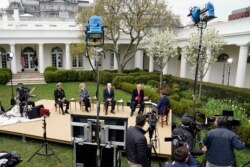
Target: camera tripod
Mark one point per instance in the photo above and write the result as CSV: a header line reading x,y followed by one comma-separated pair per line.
x,y
152,130
45,145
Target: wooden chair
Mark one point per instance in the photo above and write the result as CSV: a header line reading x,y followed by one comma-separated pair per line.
x,y
109,104
163,117
57,106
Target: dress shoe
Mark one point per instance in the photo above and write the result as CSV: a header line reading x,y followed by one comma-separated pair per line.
x,y
106,113
112,112
131,114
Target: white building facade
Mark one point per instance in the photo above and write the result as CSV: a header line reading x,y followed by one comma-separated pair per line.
x,y
49,43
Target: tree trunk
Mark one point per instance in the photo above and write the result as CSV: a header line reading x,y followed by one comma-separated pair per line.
x,y
161,78
200,87
120,69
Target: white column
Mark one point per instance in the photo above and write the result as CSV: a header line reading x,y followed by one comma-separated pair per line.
x,y
139,59
242,64
13,61
115,62
151,64
183,70
67,55
41,58
207,66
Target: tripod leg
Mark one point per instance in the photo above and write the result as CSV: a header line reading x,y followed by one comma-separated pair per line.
x,y
53,153
156,155
35,153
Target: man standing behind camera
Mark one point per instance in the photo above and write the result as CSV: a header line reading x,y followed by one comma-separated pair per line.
x,y
136,144
220,144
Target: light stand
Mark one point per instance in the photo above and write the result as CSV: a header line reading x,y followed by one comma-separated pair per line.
x,y
229,63
10,56
45,144
223,75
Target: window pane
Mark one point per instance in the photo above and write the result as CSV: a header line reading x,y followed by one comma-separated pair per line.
x,y
54,60
80,61
74,61
4,61
112,54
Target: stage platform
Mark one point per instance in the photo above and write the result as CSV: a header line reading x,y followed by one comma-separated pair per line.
x,y
59,127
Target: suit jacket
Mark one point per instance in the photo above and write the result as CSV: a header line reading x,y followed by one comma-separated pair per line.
x,y
135,94
162,103
107,95
59,94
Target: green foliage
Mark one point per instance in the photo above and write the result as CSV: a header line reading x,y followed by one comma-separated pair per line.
x,y
145,78
72,75
133,70
49,76
50,68
243,132
186,94
176,88
85,76
117,81
175,96
246,106
107,77
4,77
153,83
215,107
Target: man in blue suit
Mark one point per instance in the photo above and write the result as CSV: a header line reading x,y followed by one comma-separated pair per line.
x,y
109,97
163,102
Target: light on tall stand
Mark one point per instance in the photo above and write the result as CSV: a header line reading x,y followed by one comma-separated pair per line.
x,y
10,56
200,18
229,64
95,38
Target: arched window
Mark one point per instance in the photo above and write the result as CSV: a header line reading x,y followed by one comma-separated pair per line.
x,y
3,58
222,57
28,58
57,57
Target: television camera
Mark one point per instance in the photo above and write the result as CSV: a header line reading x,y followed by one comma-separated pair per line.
x,y
151,119
23,93
231,122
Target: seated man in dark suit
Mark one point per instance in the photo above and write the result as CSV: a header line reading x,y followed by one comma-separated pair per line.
x,y
137,98
163,102
109,96
60,98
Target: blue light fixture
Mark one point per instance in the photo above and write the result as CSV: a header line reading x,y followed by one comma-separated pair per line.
x,y
205,15
94,31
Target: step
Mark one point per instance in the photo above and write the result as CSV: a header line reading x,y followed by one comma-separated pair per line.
x,y
27,82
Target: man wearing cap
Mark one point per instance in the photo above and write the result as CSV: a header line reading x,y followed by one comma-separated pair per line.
x,y
185,131
182,158
60,98
220,144
136,144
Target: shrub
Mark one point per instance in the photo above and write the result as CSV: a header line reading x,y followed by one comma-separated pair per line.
x,y
61,76
50,68
246,106
72,75
176,88
5,70
145,78
85,76
153,83
4,77
118,80
243,132
132,71
175,96
49,76
107,77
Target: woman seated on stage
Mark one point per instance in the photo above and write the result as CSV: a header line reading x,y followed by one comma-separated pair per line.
x,y
84,96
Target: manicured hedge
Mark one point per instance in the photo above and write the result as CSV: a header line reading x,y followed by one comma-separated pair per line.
x,y
86,76
50,68
118,80
5,75
243,132
107,77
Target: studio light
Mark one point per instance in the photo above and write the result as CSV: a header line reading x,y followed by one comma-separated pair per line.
x,y
205,15
94,31
10,56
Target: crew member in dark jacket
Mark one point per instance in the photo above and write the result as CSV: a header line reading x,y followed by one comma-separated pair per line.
x,y
182,158
60,98
109,96
137,98
220,144
84,96
136,143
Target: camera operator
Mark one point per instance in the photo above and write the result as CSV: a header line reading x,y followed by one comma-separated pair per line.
x,y
185,131
23,98
220,144
182,158
136,143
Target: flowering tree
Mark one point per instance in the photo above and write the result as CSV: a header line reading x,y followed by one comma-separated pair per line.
x,y
161,48
211,45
